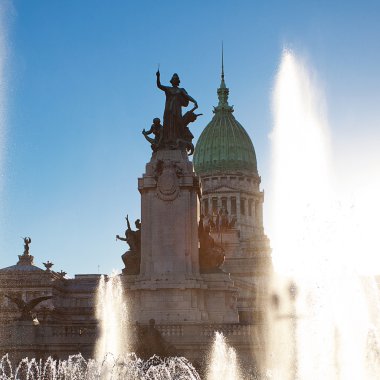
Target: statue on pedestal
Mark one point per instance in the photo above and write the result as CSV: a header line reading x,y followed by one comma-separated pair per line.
x,y
132,257
27,241
26,258
211,254
174,134
150,342
156,129
48,265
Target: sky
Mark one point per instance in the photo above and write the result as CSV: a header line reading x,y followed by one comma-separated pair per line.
x,y
78,86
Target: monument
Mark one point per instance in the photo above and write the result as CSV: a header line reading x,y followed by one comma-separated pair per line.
x,y
171,286
189,271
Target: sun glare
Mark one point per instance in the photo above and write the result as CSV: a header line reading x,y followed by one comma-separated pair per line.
x,y
323,242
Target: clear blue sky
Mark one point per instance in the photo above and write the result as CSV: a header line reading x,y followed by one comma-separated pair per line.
x,y
80,87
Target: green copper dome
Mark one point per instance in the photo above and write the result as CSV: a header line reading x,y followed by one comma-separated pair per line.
x,y
224,145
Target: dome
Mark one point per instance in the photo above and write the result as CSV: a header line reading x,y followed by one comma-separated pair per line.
x,y
224,145
21,268
25,264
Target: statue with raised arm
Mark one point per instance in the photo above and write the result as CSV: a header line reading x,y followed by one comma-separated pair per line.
x,y
130,237
27,241
26,258
132,257
174,124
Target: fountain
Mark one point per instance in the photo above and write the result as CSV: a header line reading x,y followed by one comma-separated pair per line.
x,y
77,368
113,357
177,293
325,315
223,362
112,314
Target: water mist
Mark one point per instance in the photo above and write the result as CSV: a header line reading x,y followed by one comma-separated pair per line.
x,y
223,363
324,315
111,312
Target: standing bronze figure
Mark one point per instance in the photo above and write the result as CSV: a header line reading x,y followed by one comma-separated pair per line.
x,y
174,125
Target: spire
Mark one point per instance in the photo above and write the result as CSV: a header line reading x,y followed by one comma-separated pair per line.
x,y
222,84
223,91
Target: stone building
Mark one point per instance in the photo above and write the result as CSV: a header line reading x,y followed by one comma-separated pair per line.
x,y
60,326
188,304
232,201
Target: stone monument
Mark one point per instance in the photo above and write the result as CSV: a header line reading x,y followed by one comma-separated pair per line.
x,y
171,285
186,275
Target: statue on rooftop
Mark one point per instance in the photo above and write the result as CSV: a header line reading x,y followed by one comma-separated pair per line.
x,y
48,265
26,259
132,257
175,133
27,241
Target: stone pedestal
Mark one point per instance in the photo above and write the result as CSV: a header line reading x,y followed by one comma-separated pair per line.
x,y
170,288
169,212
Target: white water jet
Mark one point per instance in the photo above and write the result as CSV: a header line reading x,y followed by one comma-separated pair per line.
x,y
223,363
325,319
77,368
112,314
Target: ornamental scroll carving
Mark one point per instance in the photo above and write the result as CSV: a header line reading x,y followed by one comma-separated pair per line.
x,y
167,175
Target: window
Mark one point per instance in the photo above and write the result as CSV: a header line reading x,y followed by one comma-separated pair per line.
x,y
242,206
205,206
250,204
224,204
214,205
233,206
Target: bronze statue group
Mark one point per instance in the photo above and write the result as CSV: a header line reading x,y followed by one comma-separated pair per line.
x,y
174,133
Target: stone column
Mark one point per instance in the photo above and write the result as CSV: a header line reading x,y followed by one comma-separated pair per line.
x,y
238,215
260,212
169,215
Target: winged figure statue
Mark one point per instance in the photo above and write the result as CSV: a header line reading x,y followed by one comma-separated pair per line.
x,y
26,307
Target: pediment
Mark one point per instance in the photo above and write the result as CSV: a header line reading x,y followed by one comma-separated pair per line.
x,y
221,189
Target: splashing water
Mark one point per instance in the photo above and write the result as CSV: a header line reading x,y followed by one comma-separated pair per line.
x,y
112,358
325,316
77,368
112,314
223,363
